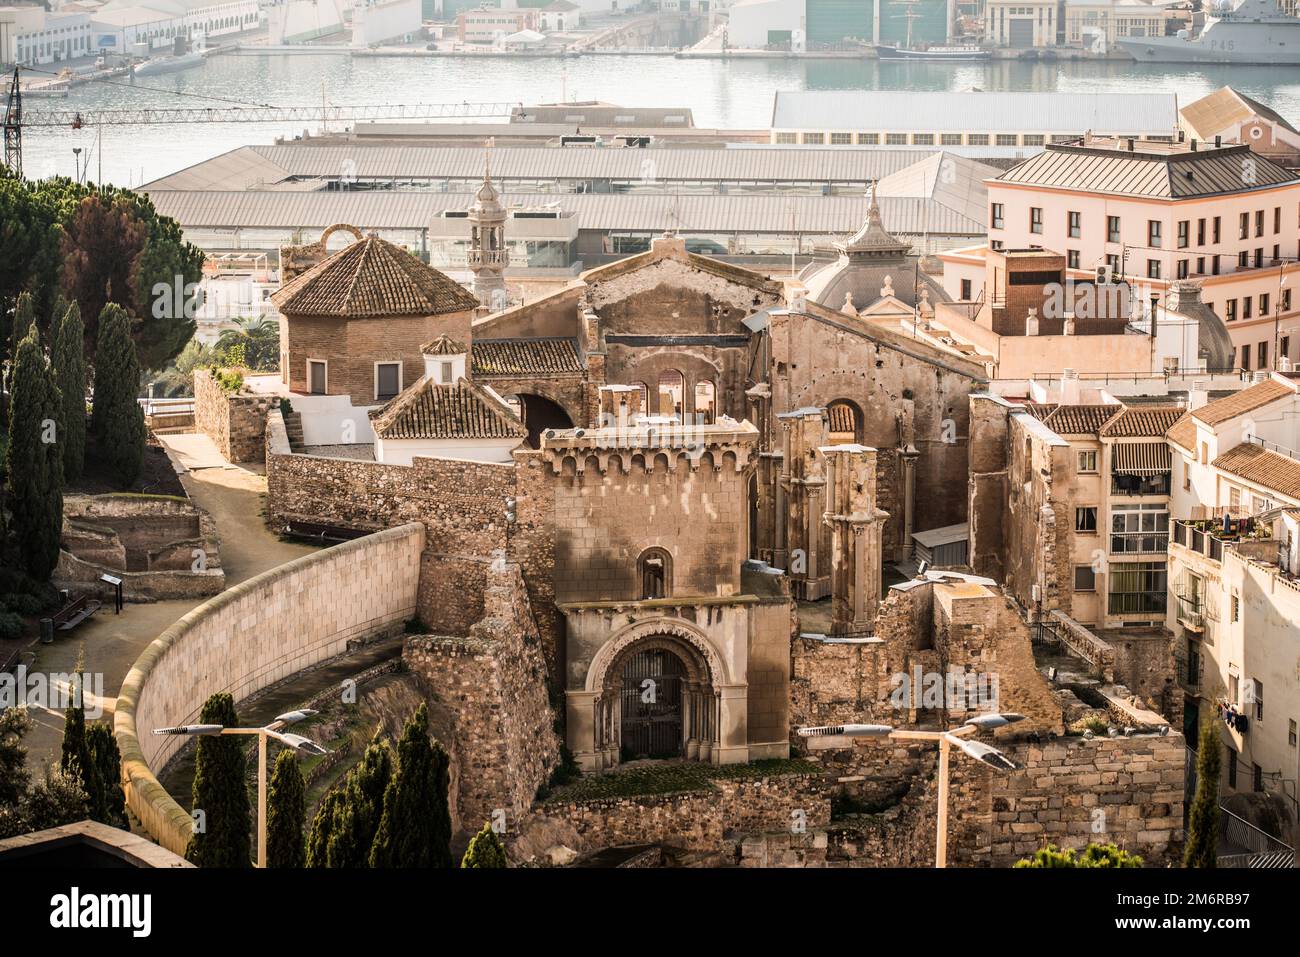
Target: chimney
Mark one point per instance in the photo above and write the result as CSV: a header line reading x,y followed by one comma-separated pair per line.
x,y
1182,135
1193,144
1130,144
1069,387
1218,141
1031,322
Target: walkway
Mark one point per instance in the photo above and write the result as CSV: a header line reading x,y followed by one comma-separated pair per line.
x,y
234,496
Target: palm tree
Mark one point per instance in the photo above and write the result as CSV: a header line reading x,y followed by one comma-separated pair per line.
x,y
258,339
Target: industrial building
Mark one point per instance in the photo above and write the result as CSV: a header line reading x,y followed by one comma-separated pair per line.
x,y
825,24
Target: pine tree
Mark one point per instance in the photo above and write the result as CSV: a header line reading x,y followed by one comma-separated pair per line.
x,y
34,459
117,421
286,814
365,787
78,761
68,359
415,829
108,763
220,792
322,828
1203,820
485,850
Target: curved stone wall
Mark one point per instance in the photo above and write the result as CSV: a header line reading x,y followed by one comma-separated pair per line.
x,y
248,638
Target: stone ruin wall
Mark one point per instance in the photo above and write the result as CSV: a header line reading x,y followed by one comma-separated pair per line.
x,y
235,423
494,681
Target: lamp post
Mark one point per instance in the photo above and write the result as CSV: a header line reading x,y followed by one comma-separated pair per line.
x,y
959,737
273,730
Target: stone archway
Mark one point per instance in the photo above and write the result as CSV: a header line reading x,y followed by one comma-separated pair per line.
x,y
631,719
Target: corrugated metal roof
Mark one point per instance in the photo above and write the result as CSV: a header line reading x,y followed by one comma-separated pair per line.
x,y
257,165
818,215
1157,174
1011,112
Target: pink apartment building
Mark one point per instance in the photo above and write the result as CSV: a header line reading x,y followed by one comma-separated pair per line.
x,y
1154,212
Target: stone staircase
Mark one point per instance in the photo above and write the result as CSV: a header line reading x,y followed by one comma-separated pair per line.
x,y
293,429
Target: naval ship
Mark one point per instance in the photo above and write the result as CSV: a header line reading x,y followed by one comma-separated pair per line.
x,y
1236,31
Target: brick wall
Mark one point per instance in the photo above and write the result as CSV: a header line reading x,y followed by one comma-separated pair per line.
x,y
236,423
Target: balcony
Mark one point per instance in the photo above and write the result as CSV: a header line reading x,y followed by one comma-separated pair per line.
x,y
487,257
1208,537
1188,668
1190,612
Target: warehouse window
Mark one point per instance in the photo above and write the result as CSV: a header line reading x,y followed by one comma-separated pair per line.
x,y
922,139
895,139
787,138
814,138
868,139
950,139
841,139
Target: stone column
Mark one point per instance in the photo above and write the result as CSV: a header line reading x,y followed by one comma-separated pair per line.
x,y
855,522
909,455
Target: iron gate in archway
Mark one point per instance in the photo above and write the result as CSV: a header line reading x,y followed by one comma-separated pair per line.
x,y
651,705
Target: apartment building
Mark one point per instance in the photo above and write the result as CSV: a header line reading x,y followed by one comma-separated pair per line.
x,y
31,36
1155,213
1234,553
1094,24
490,24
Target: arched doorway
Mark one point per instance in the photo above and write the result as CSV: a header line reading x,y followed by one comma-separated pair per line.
x,y
539,414
650,702
672,393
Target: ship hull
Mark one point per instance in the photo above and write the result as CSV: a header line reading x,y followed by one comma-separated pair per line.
x,y
1224,43
168,65
932,56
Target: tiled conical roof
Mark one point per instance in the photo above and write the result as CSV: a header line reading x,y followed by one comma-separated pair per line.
x,y
372,278
464,410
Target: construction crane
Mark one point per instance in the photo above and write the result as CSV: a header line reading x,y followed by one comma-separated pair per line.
x,y
14,127
76,119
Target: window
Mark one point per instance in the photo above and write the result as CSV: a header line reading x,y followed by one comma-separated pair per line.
x,y
1182,269
1112,229
1263,304
1085,579
1087,460
1258,697
388,380
1139,528
1085,519
1072,258
1291,732
1277,219
1236,616
1259,258
445,371
1218,224
997,216
841,139
1247,307
316,376
1284,347
1187,475
1200,232
1138,588
1036,219
1285,305
950,139
1243,259
895,139
1243,226
1215,268
787,139
1259,222
1033,139
1112,260
1154,231
1184,230
965,290
1232,762
1153,268
1230,310
655,570
977,139
922,139
1076,225
815,138
1261,351
868,139
1007,139
1257,777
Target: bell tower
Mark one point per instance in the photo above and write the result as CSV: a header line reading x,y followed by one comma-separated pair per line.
x,y
488,257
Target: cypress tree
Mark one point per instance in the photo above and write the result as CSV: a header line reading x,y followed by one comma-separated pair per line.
x,y
34,459
23,319
108,764
322,828
366,785
286,814
78,762
117,421
415,829
1203,820
68,359
485,850
220,792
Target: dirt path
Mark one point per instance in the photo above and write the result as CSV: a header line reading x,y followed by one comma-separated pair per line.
x,y
234,496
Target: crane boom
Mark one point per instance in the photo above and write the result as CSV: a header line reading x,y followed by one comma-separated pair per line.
x,y
14,127
257,114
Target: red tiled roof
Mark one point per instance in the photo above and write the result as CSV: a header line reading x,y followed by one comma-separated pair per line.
x,y
1247,400
372,278
462,411
1183,432
1140,422
1079,419
526,356
1271,470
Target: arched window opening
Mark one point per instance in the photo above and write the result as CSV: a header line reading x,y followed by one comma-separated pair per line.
x,y
706,412
672,387
655,567
845,423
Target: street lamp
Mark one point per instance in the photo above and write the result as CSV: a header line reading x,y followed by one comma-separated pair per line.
x,y
295,741
959,736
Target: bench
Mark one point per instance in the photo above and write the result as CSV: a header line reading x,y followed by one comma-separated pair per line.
x,y
75,612
317,532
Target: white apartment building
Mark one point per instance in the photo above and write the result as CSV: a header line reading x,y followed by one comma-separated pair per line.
x,y
121,26
1234,554
33,37
1155,213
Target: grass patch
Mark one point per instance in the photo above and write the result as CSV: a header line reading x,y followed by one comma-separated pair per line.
x,y
676,778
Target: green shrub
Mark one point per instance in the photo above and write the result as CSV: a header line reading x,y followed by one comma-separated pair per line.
x,y
11,626
21,603
1094,855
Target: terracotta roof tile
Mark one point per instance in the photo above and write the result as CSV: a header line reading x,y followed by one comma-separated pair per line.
x,y
1271,470
1140,422
1183,432
462,411
372,278
1079,419
1247,400
443,346
526,356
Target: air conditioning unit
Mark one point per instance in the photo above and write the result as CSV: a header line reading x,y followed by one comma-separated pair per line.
x,y
1105,274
